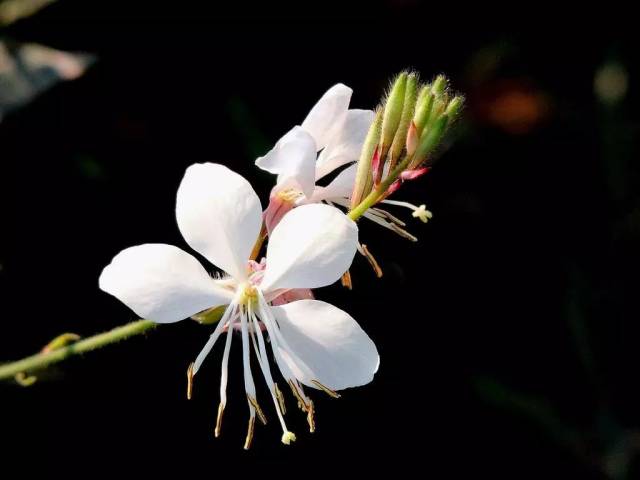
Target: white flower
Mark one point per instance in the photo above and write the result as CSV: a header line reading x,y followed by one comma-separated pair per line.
x,y
313,343
338,134
330,128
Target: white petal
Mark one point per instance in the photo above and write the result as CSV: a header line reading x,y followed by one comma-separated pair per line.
x,y
327,116
334,349
346,145
312,246
161,283
293,159
219,215
340,187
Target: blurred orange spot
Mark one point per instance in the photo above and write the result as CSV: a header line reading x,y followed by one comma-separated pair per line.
x,y
512,106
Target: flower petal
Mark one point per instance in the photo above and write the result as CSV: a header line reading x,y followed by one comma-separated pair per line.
x,y
334,349
312,246
345,147
340,187
161,283
219,215
327,116
293,159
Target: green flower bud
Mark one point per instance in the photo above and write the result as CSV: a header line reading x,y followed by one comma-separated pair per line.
x,y
391,117
408,108
423,108
439,85
364,176
454,107
429,141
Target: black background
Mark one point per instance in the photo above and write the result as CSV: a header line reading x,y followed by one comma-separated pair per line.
x,y
508,334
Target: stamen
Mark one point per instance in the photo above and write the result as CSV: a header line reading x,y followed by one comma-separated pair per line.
x,y
310,419
259,411
326,390
388,216
218,429
261,353
372,261
403,233
301,403
280,398
190,380
249,439
346,280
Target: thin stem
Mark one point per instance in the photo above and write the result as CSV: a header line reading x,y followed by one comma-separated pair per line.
x,y
42,360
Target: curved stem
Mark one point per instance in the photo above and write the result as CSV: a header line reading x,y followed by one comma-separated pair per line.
x,y
41,360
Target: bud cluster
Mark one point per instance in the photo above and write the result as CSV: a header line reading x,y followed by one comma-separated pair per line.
x,y
409,125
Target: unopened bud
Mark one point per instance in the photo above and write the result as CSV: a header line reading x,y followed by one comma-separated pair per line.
x,y
392,114
408,108
454,107
364,176
429,141
439,85
423,108
412,139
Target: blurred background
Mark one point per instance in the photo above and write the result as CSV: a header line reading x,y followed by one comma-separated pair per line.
x,y
508,334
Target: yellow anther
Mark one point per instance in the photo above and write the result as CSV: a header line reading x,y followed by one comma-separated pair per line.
x,y
296,393
310,420
346,280
249,295
190,380
422,213
249,439
280,397
372,261
326,390
218,429
254,404
289,194
288,437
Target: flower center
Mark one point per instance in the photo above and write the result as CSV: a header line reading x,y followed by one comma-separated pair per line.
x,y
289,194
249,295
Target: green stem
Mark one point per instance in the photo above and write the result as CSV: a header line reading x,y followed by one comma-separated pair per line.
x,y
42,360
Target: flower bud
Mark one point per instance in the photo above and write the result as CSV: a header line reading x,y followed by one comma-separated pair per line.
x,y
408,108
429,141
423,108
454,107
439,85
364,176
392,115
412,139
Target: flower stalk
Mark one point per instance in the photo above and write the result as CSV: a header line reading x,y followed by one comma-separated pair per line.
x,y
44,359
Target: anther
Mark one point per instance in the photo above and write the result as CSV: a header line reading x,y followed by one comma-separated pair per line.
x,y
372,261
190,380
218,429
326,390
280,398
346,280
248,440
254,404
310,420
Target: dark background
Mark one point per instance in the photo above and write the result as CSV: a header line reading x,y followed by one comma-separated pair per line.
x,y
508,334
